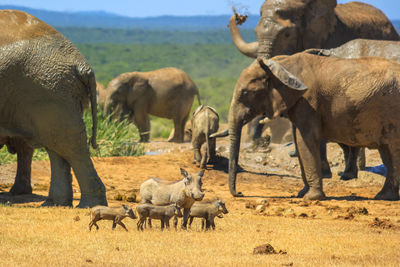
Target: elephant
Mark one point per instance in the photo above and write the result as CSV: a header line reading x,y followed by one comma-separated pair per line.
x,y
101,94
349,101
290,26
166,93
45,86
204,122
355,49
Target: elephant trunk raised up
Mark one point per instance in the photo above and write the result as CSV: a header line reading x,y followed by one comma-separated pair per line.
x,y
248,49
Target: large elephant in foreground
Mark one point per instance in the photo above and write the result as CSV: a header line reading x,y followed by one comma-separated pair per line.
x,y
349,101
166,93
45,85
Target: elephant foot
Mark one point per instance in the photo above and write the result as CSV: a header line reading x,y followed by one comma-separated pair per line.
x,y
238,194
21,189
91,200
346,176
303,191
293,154
51,203
175,140
387,195
314,194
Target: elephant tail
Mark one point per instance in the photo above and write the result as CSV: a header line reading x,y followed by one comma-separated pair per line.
x,y
93,106
88,78
198,97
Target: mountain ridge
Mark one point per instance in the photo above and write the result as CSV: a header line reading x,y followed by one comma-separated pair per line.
x,y
104,19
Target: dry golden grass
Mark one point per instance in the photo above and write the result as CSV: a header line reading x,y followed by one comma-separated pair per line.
x,y
59,236
312,233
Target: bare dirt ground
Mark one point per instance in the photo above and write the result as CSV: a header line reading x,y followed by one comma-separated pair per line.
x,y
349,228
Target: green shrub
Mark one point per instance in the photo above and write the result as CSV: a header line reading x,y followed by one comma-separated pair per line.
x,y
114,139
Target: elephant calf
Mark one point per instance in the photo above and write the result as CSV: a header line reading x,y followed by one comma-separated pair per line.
x,y
205,121
163,213
116,215
207,211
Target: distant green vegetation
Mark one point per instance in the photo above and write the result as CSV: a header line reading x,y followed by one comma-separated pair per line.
x,y
114,139
140,36
214,67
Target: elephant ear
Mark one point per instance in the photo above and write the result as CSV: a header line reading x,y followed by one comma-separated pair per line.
x,y
320,21
282,74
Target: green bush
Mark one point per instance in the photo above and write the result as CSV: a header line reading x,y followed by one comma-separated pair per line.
x,y
114,139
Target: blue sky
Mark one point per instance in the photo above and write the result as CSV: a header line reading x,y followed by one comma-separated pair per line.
x,y
145,8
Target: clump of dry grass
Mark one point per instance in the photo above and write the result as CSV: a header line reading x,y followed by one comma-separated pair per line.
x,y
54,237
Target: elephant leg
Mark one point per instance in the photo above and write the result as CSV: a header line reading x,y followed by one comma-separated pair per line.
x,y
179,128
391,158
142,122
308,145
361,159
196,152
204,156
186,213
22,184
306,187
60,192
254,128
212,149
294,153
325,169
350,157
92,189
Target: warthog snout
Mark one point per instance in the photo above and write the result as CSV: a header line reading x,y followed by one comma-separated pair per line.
x,y
198,196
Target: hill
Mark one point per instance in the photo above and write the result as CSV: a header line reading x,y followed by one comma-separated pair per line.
x,y
102,19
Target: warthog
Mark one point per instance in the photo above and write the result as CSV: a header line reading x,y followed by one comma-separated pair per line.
x,y
207,211
205,121
116,214
163,213
183,192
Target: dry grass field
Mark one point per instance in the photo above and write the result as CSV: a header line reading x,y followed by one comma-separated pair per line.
x,y
347,229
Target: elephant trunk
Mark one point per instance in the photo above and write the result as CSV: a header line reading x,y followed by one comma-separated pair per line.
x,y
248,49
93,104
265,48
235,132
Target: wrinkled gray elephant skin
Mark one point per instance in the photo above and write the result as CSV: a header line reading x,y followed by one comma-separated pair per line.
x,y
349,101
166,93
290,26
46,83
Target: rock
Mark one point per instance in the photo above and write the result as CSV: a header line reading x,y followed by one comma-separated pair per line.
x,y
250,205
118,196
131,197
260,208
264,249
267,249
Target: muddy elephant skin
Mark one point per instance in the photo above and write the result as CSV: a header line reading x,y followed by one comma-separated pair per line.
x,y
204,122
166,93
289,26
46,83
349,101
